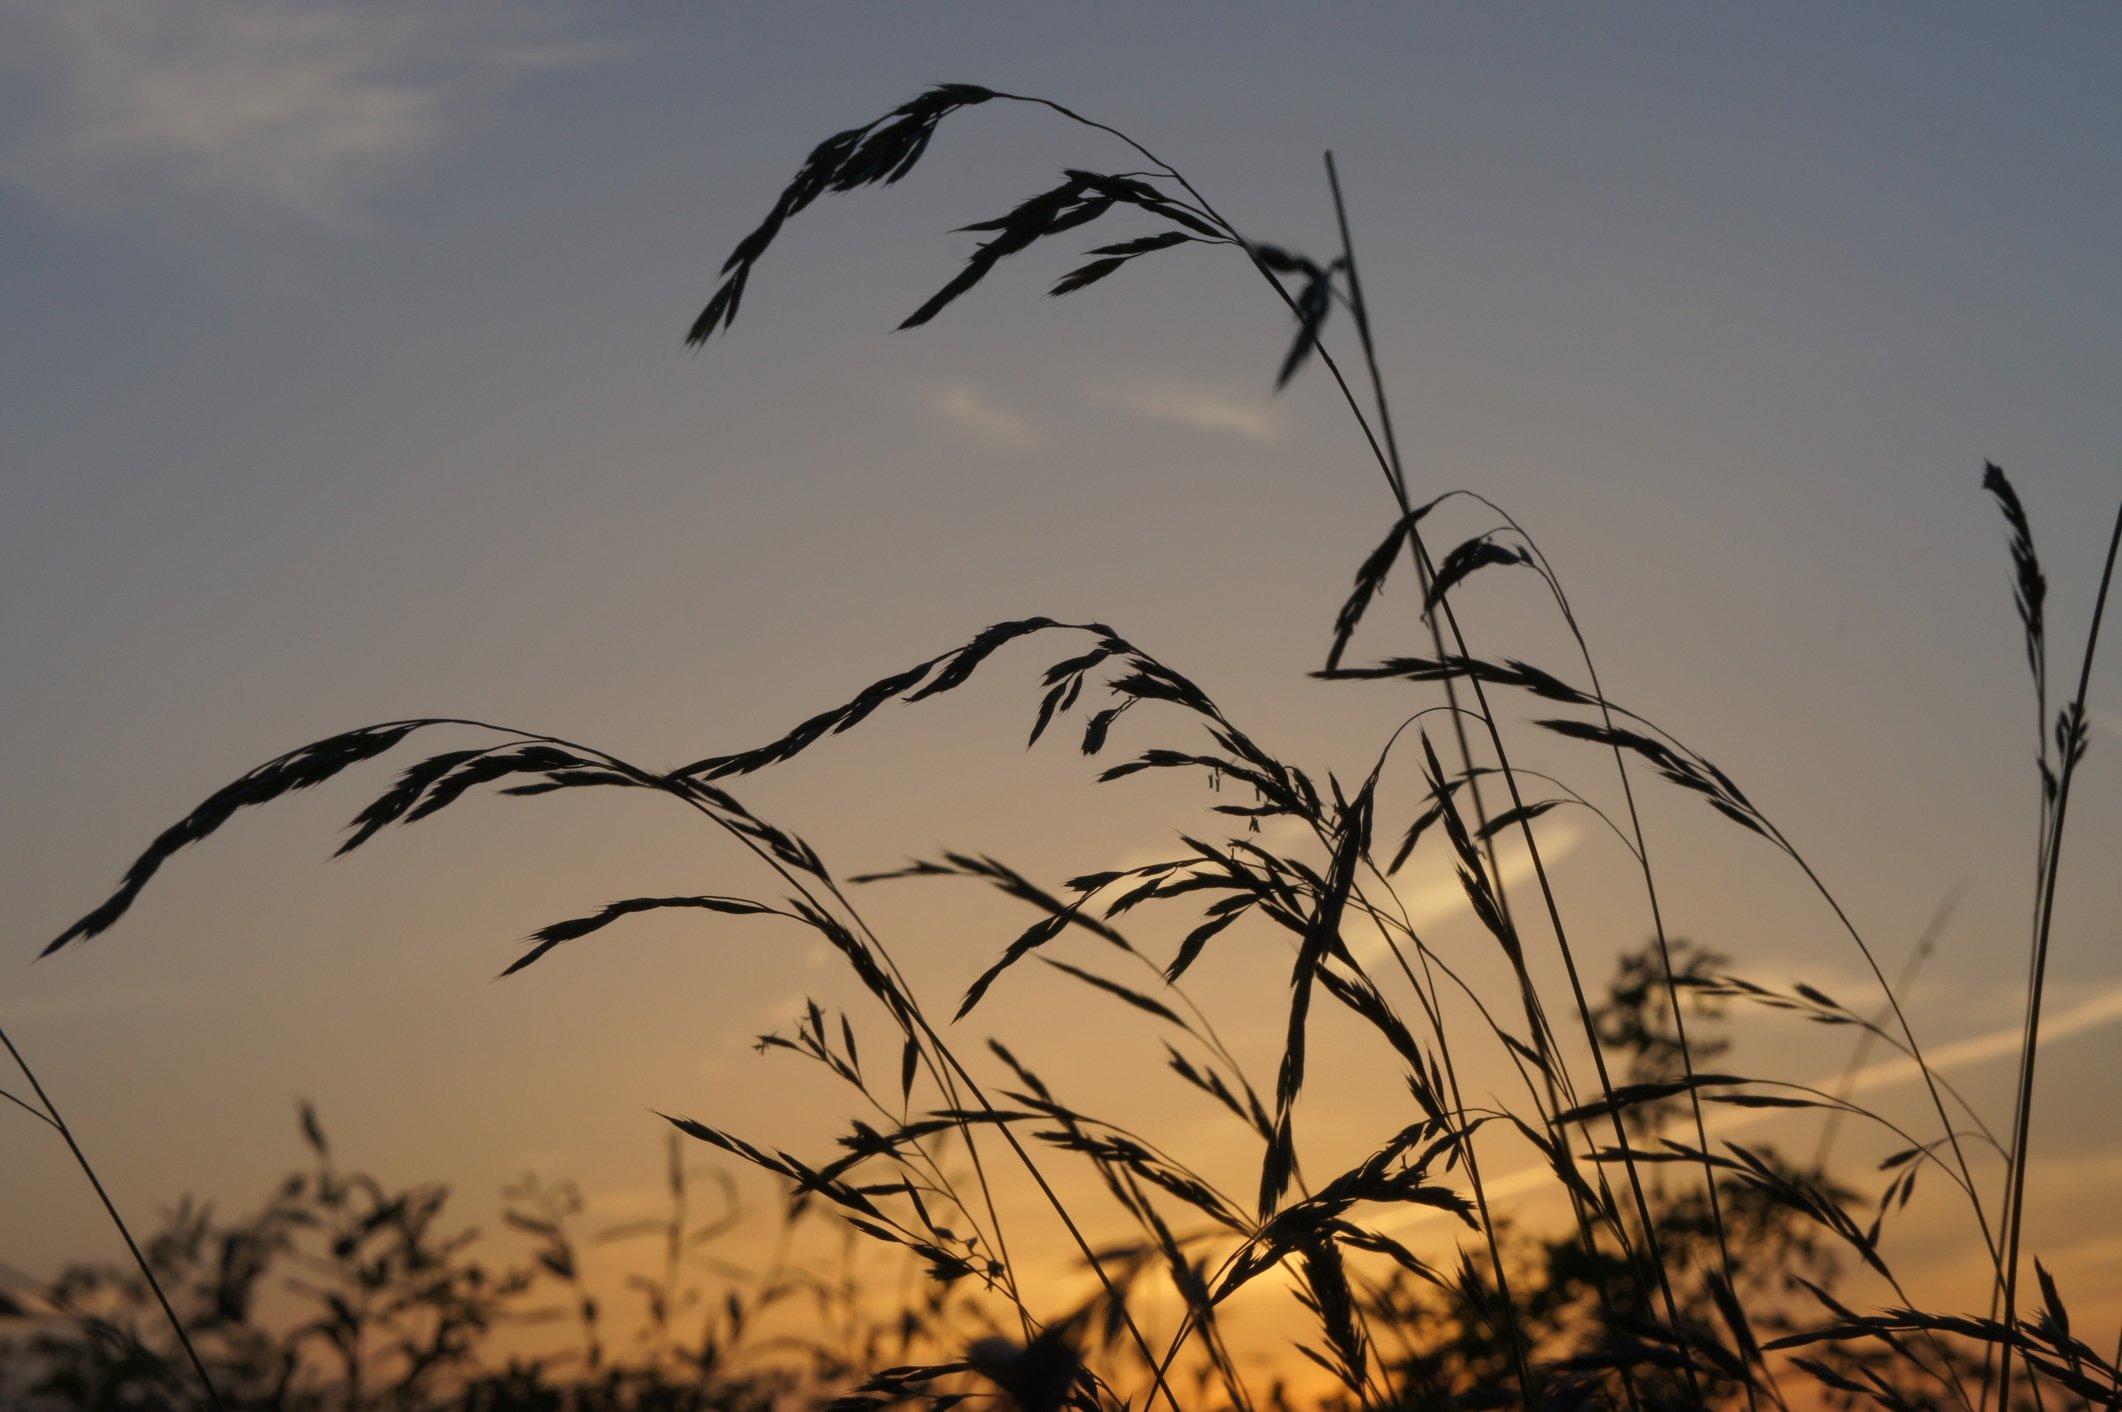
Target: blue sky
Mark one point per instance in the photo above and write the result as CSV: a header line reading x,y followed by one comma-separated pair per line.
x,y
345,383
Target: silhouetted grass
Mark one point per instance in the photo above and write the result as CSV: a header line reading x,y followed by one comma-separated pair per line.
x,y
1695,1272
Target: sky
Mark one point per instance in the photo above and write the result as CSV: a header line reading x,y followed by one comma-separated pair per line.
x,y
346,383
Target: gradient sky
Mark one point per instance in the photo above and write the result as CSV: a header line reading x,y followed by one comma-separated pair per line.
x,y
344,382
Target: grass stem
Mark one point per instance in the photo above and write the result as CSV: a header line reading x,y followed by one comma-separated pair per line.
x,y
2022,1122
52,1115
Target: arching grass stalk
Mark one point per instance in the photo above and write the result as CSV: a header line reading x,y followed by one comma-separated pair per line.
x,y
46,1111
886,149
553,762
1641,850
786,857
944,1065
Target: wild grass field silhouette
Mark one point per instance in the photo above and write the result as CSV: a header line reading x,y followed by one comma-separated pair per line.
x,y
1694,1268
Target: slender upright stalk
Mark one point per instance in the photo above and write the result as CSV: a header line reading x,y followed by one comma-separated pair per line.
x,y
2022,1119
1420,552
52,1115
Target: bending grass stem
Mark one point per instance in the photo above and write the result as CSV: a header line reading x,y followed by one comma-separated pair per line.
x,y
1657,914
944,1061
52,1115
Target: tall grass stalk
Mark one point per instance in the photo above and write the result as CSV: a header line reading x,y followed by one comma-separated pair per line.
x,y
2070,739
1419,551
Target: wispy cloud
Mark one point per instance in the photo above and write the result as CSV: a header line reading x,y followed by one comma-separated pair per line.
x,y
976,415
250,106
1194,405
2098,1011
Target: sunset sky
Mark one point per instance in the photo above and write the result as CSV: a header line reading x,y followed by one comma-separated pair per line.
x,y
345,382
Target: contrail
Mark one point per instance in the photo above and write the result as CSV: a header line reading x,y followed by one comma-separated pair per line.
x,y
2096,1012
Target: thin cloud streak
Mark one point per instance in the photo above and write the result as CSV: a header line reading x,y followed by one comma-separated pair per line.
x,y
2098,1012
973,413
1188,404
